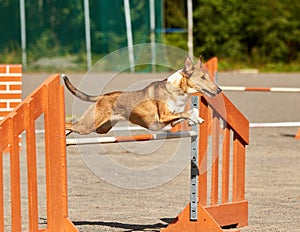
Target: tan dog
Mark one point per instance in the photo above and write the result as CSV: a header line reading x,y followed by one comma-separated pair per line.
x,y
157,105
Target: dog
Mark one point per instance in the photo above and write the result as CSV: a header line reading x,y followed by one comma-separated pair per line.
x,y
154,107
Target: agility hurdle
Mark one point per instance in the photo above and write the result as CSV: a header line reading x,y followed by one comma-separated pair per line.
x,y
223,205
46,101
216,209
217,193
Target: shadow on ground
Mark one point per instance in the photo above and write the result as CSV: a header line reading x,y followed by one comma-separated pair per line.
x,y
127,226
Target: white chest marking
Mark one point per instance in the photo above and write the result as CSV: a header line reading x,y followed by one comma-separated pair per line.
x,y
178,105
175,78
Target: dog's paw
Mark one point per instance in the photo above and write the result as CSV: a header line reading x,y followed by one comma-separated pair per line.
x,y
195,119
198,121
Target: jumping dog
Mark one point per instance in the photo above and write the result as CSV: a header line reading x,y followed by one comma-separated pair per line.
x,y
157,105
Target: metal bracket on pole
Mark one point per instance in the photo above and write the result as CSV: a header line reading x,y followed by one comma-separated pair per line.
x,y
194,168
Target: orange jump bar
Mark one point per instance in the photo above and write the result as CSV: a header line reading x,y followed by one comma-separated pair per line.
x,y
121,139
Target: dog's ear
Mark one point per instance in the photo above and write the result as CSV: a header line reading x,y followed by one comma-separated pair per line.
x,y
188,66
199,63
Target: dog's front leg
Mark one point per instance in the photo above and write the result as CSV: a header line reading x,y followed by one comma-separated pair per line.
x,y
177,121
191,115
194,118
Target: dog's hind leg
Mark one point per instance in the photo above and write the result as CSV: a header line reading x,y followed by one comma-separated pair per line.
x,y
103,126
85,125
79,127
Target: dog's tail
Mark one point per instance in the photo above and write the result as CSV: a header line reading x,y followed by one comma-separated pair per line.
x,y
81,95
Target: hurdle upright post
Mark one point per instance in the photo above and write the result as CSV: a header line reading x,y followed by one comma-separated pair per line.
x,y
47,100
194,169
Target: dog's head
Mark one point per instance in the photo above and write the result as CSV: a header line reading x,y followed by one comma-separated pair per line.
x,y
198,79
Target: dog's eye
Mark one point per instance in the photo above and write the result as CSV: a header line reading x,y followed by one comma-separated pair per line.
x,y
203,77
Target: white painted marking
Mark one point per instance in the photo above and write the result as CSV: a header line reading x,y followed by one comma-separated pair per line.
x,y
10,75
274,124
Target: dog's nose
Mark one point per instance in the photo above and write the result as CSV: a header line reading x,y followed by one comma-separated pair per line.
x,y
219,90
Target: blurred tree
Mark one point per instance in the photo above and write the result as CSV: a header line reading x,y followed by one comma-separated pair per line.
x,y
258,31
217,29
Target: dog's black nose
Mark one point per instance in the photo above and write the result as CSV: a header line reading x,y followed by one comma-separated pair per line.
x,y
219,90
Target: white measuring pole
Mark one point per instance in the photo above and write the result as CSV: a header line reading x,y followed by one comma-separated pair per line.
x,y
87,34
190,28
129,34
152,34
23,33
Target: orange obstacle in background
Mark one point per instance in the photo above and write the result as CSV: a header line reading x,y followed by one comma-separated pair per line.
x,y
47,100
10,88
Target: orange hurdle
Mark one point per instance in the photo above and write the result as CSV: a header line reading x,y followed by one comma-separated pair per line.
x,y
10,88
222,206
47,100
225,205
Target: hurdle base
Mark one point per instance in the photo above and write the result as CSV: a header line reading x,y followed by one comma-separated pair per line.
x,y
70,227
211,218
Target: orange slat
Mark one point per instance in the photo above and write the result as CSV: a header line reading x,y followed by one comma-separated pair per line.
x,y
202,159
62,131
31,167
4,133
238,192
55,205
215,160
15,179
225,165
